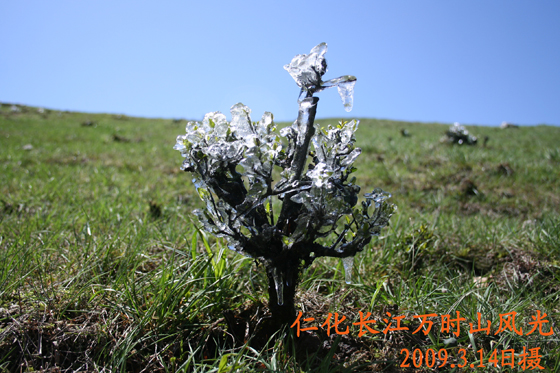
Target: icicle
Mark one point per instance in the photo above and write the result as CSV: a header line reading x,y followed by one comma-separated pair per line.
x,y
346,92
278,284
348,263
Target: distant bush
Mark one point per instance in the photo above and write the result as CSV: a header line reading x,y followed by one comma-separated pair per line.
x,y
458,134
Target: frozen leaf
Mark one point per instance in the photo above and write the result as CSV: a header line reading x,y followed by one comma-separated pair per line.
x,y
194,135
266,124
235,246
232,151
241,121
350,158
303,227
336,205
216,121
373,222
319,175
201,188
287,131
378,196
202,218
180,145
348,130
218,151
299,198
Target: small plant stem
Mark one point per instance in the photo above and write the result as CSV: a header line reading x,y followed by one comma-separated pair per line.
x,y
289,270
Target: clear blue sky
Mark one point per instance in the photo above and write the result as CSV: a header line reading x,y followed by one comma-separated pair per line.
x,y
473,62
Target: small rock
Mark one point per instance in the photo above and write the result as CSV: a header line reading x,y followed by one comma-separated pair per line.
x,y
27,147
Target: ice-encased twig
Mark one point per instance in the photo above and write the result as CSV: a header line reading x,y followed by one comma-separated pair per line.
x,y
308,69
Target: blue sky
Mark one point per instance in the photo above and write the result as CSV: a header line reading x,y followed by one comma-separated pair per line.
x,y
474,62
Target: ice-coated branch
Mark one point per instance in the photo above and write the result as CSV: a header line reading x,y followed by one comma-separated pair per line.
x,y
302,130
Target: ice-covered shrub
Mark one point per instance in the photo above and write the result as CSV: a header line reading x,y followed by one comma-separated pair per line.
x,y
312,211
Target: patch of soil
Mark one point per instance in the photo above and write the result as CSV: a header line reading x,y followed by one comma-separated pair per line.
x,y
340,347
41,342
524,268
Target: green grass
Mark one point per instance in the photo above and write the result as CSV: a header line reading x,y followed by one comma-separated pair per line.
x,y
103,268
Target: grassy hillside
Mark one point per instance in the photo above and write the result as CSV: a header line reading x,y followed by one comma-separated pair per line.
x,y
103,269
